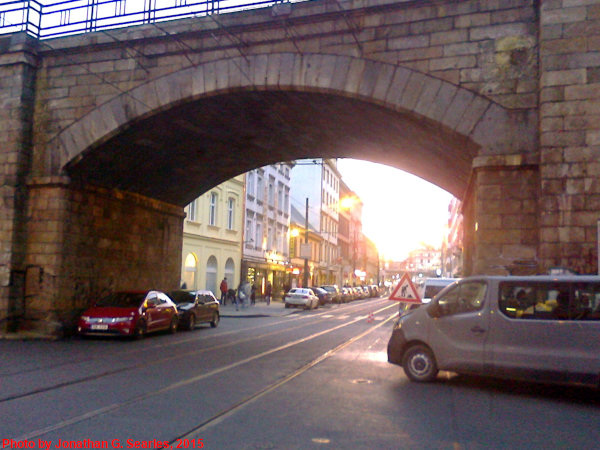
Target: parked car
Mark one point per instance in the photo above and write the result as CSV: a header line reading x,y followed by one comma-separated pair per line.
x,y
129,313
346,294
334,291
304,297
324,296
196,307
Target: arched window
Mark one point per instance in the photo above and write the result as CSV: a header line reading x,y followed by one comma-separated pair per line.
x,y
230,270
189,271
211,274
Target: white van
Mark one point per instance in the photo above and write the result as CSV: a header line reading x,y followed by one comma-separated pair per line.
x,y
541,328
432,286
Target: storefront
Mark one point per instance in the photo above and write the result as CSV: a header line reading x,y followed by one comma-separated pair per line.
x,y
259,274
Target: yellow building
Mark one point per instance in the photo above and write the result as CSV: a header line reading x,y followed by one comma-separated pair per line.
x,y
212,237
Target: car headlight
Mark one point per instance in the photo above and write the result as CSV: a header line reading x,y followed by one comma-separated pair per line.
x,y
85,318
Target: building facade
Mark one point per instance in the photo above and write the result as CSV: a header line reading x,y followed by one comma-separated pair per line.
x,y
318,180
265,255
452,247
212,237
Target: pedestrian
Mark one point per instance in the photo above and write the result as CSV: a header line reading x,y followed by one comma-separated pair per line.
x,y
268,289
240,296
223,288
253,295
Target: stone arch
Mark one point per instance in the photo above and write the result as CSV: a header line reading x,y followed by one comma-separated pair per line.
x,y
489,126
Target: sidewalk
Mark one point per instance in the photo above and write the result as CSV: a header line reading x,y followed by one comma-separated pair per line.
x,y
260,309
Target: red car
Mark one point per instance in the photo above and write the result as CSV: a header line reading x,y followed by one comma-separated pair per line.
x,y
129,313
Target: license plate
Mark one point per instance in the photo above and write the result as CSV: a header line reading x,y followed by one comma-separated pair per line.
x,y
101,326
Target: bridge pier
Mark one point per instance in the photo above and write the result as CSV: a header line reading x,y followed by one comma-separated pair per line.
x,y
85,241
501,216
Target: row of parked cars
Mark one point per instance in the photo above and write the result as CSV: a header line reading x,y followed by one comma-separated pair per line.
x,y
313,297
136,313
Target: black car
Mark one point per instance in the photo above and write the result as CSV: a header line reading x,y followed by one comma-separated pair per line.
x,y
196,307
324,296
334,292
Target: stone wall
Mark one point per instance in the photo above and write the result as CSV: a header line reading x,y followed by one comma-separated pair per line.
x,y
501,217
570,133
17,81
487,47
85,242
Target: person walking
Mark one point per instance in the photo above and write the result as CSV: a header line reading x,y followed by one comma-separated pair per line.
x,y
239,298
223,288
268,290
253,295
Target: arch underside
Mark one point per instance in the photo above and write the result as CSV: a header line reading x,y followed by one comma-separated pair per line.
x,y
179,153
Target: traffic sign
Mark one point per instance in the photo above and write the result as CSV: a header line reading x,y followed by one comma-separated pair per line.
x,y
405,291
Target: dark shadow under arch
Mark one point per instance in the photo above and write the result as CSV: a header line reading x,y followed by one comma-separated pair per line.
x,y
177,154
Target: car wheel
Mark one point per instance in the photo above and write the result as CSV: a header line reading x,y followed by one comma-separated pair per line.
x,y
140,330
419,364
191,322
287,305
173,325
215,320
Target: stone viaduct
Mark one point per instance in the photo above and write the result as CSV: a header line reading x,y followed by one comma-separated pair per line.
x,y
106,136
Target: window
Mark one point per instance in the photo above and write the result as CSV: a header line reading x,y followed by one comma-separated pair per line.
x,y
258,240
230,213
211,274
271,194
280,197
550,301
286,204
212,209
251,188
259,188
249,237
463,298
192,211
270,238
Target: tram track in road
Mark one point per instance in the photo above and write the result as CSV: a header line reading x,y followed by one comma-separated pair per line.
x,y
211,373
194,433
322,315
176,341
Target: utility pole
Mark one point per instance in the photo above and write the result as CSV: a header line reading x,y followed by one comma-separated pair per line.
x,y
305,279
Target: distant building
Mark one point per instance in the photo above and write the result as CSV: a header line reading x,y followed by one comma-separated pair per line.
x,y
371,263
297,239
452,248
319,181
425,261
265,257
212,237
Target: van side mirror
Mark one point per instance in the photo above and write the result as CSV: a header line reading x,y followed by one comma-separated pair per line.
x,y
434,310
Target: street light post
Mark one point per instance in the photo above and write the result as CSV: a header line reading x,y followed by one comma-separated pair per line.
x,y
305,279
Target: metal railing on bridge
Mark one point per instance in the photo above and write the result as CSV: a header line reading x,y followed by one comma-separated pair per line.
x,y
43,19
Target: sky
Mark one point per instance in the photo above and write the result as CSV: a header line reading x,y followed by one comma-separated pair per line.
x,y
400,210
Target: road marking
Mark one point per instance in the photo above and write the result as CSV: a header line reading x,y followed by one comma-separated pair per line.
x,y
182,383
218,418
163,345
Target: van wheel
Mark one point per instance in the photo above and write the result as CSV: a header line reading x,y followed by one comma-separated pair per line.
x,y
419,364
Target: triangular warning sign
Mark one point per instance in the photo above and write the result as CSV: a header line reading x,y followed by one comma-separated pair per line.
x,y
405,291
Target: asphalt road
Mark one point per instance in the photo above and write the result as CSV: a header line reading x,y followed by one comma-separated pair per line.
x,y
307,379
